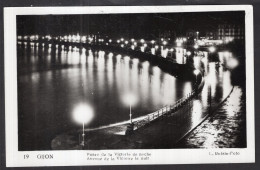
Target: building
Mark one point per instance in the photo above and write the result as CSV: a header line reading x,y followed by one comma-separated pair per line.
x,y
211,35
230,32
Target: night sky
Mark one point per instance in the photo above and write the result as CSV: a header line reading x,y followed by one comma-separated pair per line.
x,y
127,25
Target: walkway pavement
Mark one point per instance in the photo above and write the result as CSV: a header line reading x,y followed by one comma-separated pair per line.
x,y
225,129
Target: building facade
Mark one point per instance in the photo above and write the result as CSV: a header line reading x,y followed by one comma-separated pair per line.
x,y
232,32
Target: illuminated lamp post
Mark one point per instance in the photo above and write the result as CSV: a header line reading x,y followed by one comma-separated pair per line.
x,y
197,35
130,99
152,43
196,46
188,53
212,49
83,114
196,72
171,51
164,43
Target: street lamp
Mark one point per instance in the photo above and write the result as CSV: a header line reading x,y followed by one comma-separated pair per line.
x,y
197,35
164,42
171,51
83,113
196,46
152,42
212,49
196,72
130,99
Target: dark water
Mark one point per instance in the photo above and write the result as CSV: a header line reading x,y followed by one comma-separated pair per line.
x,y
51,84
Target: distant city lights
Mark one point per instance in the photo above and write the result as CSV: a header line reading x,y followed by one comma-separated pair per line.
x,y
196,46
212,49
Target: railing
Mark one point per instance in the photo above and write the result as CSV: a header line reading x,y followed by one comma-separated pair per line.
x,y
167,110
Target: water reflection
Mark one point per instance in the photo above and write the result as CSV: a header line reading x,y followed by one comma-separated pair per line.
x,y
196,113
51,83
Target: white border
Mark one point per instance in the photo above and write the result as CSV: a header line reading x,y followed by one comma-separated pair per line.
x,y
14,158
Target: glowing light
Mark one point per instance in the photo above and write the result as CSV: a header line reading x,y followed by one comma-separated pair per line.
x,y
212,49
142,40
152,41
135,61
101,53
156,71
156,47
153,51
126,42
196,72
83,113
118,41
188,53
145,45
90,39
118,57
164,42
197,62
122,39
110,54
122,45
130,99
196,112
135,43
132,40
196,46
127,59
232,63
110,40
165,53
84,38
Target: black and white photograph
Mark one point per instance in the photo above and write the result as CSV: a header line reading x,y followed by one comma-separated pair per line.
x,y
148,80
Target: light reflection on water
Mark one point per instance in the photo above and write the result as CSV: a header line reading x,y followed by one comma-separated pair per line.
x,y
62,79
52,83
